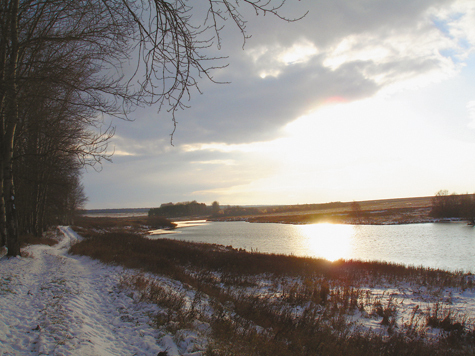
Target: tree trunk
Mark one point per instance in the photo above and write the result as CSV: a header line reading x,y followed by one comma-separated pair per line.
x,y
11,122
11,214
3,56
3,232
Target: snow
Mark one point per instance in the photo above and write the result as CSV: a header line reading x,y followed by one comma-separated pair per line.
x,y
412,303
53,303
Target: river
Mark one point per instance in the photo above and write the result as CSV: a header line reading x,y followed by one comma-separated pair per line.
x,y
449,246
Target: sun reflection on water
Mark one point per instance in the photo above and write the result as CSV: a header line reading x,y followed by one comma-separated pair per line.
x,y
329,241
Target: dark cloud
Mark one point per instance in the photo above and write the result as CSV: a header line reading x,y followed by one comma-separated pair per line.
x,y
329,21
255,110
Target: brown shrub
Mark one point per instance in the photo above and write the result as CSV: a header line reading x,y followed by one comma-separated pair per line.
x,y
29,239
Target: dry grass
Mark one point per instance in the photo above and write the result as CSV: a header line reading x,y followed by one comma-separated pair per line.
x,y
96,226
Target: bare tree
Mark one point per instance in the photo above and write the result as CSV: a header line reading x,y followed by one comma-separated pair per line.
x,y
215,208
80,50
53,142
356,211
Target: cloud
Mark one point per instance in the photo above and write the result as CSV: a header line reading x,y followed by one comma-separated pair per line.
x,y
345,49
342,51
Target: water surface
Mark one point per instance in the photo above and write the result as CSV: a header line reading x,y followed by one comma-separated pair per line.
x,y
448,246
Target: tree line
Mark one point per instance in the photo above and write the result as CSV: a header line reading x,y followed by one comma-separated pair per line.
x,y
66,65
48,104
170,210
193,208
445,205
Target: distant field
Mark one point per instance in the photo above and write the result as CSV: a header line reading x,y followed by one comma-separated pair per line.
x,y
374,205
384,211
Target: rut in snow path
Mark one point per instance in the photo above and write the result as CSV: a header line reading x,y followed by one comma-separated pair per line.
x,y
55,303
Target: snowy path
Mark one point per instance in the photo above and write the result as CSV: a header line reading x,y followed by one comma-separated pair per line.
x,y
57,304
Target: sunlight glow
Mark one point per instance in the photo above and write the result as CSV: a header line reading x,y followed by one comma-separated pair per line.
x,y
298,53
224,162
223,147
349,50
179,225
330,241
342,151
123,153
269,73
216,146
189,223
327,154
272,59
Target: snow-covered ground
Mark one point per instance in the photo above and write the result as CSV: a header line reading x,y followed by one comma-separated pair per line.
x,y
53,303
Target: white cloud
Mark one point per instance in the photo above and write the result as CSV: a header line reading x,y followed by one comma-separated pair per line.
x,y
457,21
219,147
299,53
271,60
222,162
123,153
399,54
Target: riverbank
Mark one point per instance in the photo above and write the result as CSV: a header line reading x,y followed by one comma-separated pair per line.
x,y
242,303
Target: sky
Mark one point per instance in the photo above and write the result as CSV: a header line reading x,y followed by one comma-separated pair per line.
x,y
359,100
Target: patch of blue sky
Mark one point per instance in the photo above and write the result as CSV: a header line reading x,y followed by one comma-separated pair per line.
x,y
453,54
457,54
464,43
443,25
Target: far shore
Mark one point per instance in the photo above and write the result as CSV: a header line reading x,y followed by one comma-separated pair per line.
x,y
299,221
398,211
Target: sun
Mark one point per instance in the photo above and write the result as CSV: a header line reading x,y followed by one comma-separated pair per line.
x,y
329,241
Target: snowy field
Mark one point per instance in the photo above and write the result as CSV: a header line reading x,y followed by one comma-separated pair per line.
x,y
52,303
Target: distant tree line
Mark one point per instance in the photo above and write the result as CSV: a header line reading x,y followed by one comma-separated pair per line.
x,y
115,211
305,207
445,205
193,208
240,211
171,210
